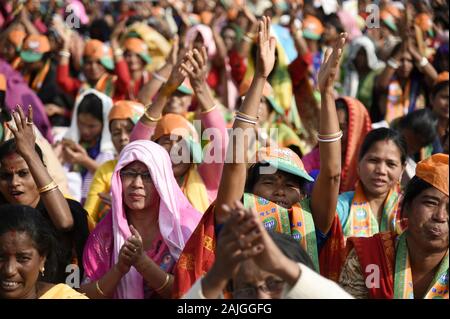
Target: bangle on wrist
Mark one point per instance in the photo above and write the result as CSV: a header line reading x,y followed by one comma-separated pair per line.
x,y
151,119
209,110
393,63
159,77
118,52
423,62
65,54
97,286
164,285
47,188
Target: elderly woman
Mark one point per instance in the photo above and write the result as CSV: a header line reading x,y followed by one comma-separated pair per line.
x,y
27,251
24,180
147,228
414,264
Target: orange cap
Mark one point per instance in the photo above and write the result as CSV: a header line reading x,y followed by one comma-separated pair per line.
x,y
2,82
99,51
174,124
34,48
139,47
442,77
424,22
434,171
16,37
125,109
206,17
312,28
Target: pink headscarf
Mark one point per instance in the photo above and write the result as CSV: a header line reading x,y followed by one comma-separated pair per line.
x,y
207,35
177,218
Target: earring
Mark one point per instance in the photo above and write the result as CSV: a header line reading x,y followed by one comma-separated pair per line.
x,y
42,271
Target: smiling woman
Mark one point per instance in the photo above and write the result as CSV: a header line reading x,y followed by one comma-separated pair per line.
x,y
27,249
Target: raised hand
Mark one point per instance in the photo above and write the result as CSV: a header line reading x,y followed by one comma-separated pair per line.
x,y
75,154
177,76
330,65
173,55
196,66
23,132
265,60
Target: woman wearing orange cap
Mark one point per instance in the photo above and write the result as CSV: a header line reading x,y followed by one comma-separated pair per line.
x,y
11,46
400,87
97,67
413,264
274,185
200,182
122,118
134,76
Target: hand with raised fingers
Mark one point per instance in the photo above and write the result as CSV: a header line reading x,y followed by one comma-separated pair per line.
x,y
23,131
176,77
196,66
265,60
330,65
135,244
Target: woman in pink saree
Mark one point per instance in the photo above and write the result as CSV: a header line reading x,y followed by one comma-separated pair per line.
x,y
131,252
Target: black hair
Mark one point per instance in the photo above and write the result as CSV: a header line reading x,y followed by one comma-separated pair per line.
x,y
384,134
100,30
334,20
422,122
28,220
91,104
10,147
438,87
292,249
253,175
413,189
342,105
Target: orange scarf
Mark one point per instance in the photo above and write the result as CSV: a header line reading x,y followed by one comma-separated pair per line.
x,y
39,79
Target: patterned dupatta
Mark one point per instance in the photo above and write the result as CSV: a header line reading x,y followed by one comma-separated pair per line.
x,y
403,282
104,85
362,221
296,222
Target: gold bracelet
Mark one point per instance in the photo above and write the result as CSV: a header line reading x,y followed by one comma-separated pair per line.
x,y
248,117
99,290
209,110
322,136
48,187
166,282
152,119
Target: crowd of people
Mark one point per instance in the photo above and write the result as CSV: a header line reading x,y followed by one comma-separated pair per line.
x,y
224,149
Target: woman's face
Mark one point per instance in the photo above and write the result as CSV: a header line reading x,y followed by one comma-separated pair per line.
x,y
90,128
406,65
428,220
251,282
134,61
440,103
9,52
20,264
16,182
281,188
178,104
179,169
138,189
120,133
380,168
92,69
361,60
330,33
229,37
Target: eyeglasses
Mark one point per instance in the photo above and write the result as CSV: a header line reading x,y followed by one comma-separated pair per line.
x,y
145,176
271,286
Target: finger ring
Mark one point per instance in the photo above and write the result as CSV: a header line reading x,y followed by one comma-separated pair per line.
x,y
134,250
29,123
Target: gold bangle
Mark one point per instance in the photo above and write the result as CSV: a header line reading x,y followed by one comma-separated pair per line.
x,y
48,187
248,117
166,282
209,110
152,119
322,136
99,290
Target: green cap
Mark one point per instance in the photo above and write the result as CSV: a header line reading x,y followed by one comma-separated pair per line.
x,y
30,56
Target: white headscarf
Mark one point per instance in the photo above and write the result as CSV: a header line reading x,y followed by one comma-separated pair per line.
x,y
106,145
